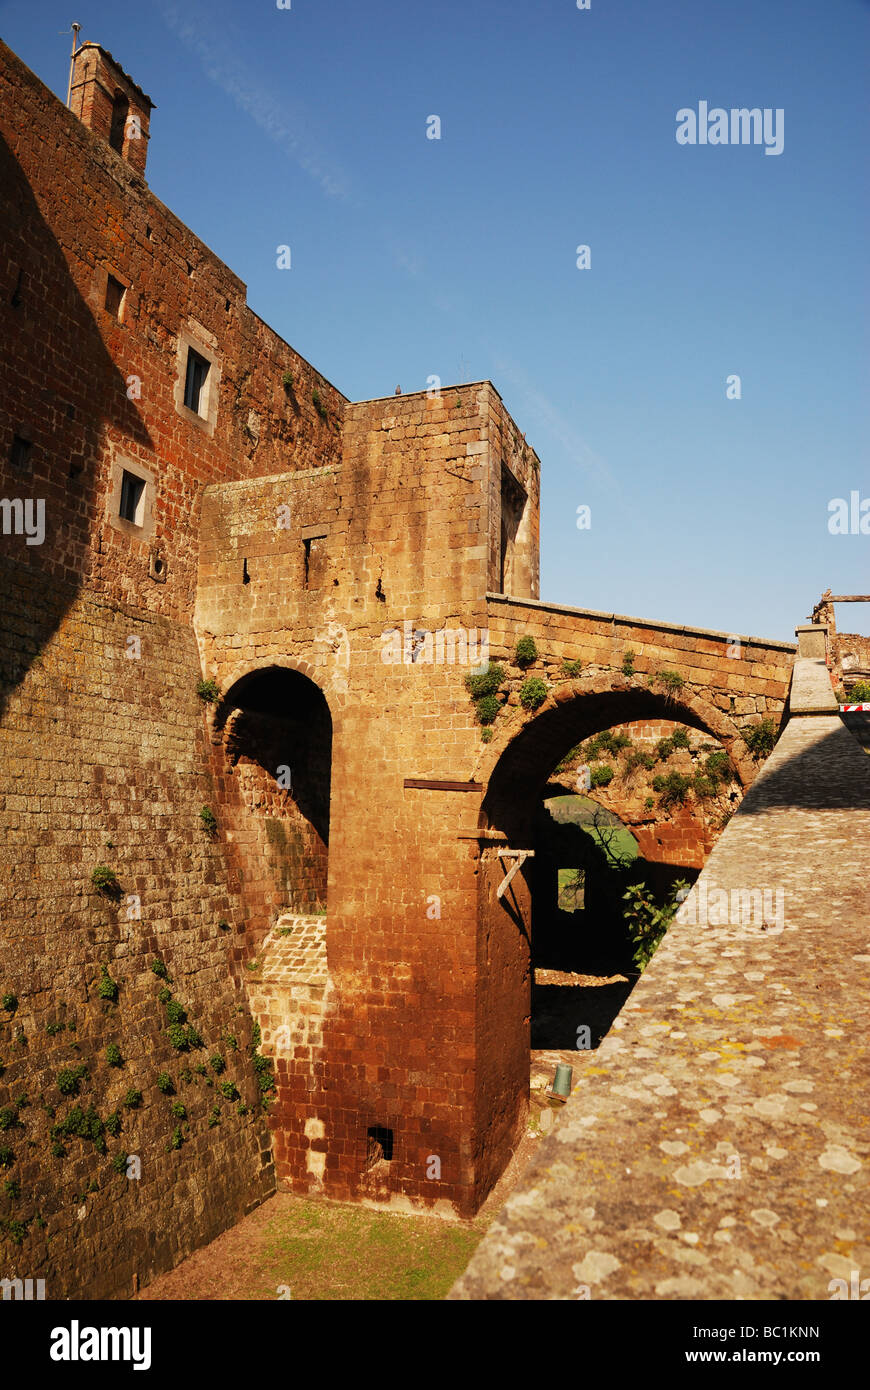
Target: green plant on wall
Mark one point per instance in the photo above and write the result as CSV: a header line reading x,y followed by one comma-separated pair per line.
x,y
209,820
628,663
208,691
533,693
9,1003
572,669
760,738
105,881
526,652
113,1055
107,988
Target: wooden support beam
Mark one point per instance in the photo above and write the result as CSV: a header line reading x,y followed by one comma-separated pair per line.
x,y
519,857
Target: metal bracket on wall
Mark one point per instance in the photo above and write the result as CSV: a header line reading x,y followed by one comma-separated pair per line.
x,y
519,857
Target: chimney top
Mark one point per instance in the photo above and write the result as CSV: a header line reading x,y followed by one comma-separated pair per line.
x,y
107,100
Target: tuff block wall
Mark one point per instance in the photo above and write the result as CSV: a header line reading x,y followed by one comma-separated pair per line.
x,y
404,529
105,745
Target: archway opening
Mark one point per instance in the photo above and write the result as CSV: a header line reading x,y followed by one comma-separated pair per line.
x,y
563,953
277,737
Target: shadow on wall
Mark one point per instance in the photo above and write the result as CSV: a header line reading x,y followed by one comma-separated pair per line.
x,y
277,748
60,392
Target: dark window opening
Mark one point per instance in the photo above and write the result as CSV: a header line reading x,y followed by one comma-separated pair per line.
x,y
379,1146
246,578
120,110
19,454
513,501
194,381
132,498
114,296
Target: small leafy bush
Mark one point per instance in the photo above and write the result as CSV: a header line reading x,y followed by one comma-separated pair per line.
x,y
178,1110
164,1084
647,920
177,1037
859,694
217,1063
164,995
287,381
484,682
760,738
487,708
82,1124
9,1003
208,691
673,788
52,1029
228,1090
215,1117
601,775
193,1038
7,1157
9,1118
317,402
572,669
177,1138
159,969
526,652
486,735
628,663
105,881
671,680
680,738
533,693
113,1123
133,1098
107,988
638,758
119,1163
69,1080
113,1055
175,1012
209,820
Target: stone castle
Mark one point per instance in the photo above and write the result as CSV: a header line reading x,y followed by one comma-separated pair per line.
x,y
310,883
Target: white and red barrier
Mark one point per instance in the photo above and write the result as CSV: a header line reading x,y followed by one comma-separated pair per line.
x,y
854,709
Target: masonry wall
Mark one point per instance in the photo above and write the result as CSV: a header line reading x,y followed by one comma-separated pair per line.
x,y
103,738
83,784
402,533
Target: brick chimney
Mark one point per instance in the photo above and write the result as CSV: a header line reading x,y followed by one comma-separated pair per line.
x,y
107,101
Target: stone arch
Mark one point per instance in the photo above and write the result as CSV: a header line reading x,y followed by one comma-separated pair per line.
x,y
514,768
527,746
273,732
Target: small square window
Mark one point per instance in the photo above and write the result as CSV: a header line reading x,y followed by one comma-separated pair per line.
x,y
114,296
19,454
132,505
194,381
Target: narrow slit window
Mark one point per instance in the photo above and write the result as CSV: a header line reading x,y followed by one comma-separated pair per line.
x,y
120,109
114,296
19,454
132,505
194,381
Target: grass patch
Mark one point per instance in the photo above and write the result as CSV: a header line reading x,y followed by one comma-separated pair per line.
x,y
328,1251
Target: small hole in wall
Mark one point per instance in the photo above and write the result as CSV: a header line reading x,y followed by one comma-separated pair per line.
x,y
149,233
379,592
379,1145
227,305
246,578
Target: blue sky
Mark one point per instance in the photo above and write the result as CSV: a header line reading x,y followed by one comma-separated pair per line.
x,y
456,257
